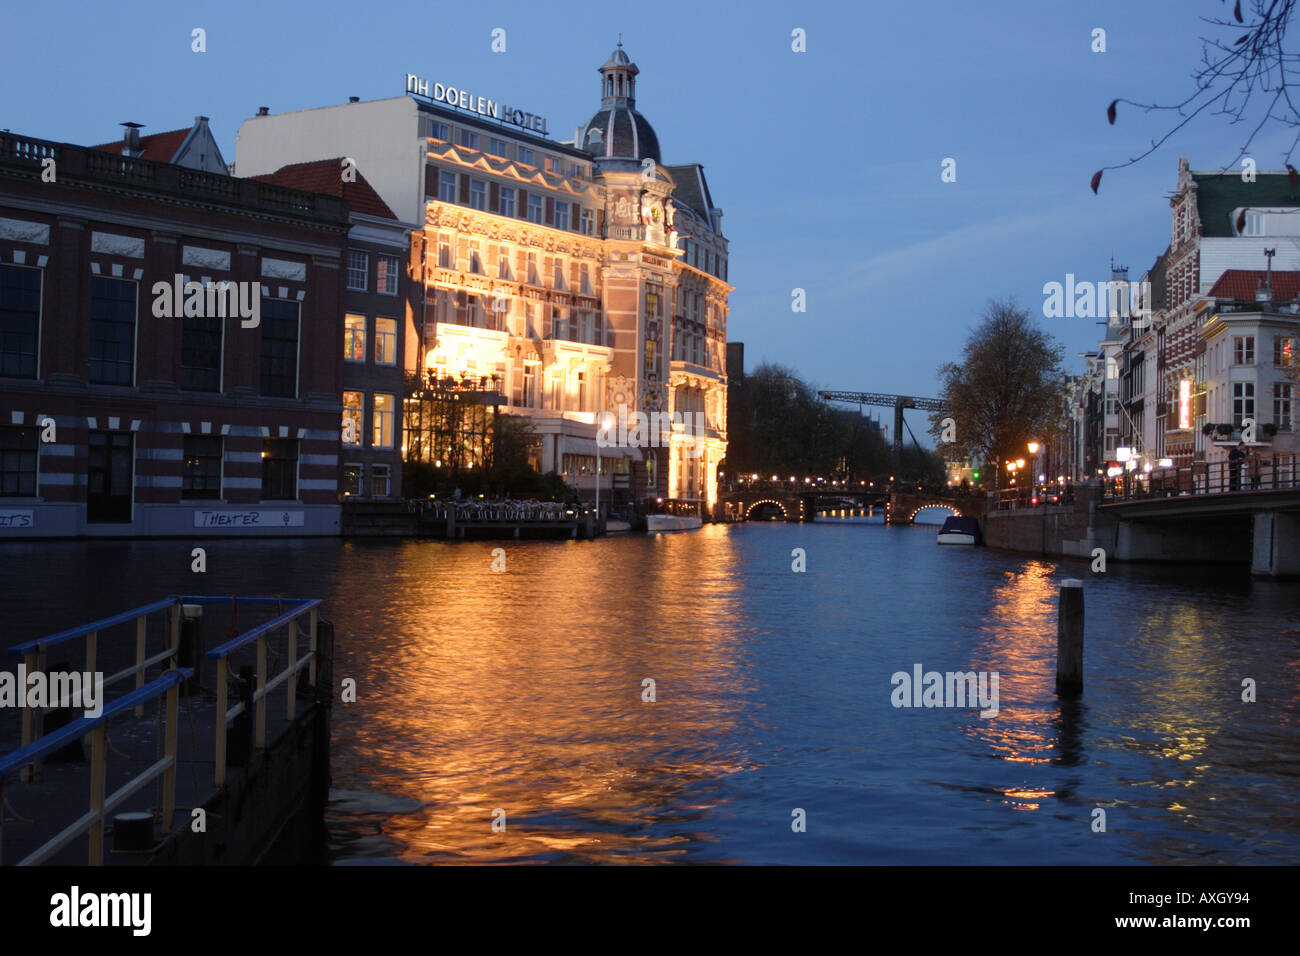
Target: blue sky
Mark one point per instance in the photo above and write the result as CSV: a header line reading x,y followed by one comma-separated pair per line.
x,y
826,163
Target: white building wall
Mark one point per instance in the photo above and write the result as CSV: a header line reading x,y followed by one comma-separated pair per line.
x,y
381,135
1221,253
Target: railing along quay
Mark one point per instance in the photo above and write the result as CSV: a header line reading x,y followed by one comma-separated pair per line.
x,y
279,660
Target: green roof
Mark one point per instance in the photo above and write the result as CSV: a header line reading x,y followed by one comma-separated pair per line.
x,y
1219,194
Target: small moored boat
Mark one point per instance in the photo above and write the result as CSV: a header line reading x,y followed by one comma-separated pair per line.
x,y
959,530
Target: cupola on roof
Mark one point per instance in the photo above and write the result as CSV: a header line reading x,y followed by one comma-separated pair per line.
x,y
618,131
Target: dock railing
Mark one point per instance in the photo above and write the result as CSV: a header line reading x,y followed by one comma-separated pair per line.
x,y
36,745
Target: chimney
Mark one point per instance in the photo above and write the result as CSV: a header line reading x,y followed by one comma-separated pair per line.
x,y
131,140
263,110
716,216
354,99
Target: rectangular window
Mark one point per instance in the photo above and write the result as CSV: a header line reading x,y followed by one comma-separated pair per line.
x,y
444,252
381,435
1243,350
352,479
380,481
385,341
1282,350
557,275
475,257
202,476
358,271
439,131
533,277
446,187
477,194
468,138
1282,405
112,331
534,208
526,156
280,348
110,468
584,283
279,469
507,201
551,164
588,222
354,338
350,432
561,215
18,454
386,274
20,317
201,353
497,147
1243,401
503,263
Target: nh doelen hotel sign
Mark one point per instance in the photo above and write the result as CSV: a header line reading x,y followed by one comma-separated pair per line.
x,y
465,100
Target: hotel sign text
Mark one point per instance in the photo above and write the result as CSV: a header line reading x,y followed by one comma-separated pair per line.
x,y
465,100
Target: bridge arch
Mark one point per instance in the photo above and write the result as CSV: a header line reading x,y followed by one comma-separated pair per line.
x,y
749,508
911,518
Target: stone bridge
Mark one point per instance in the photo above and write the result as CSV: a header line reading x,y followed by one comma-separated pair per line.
x,y
901,507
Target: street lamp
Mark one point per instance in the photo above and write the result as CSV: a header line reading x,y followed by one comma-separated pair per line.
x,y
1033,448
606,422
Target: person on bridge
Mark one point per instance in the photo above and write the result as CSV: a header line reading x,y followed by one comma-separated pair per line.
x,y
1255,468
1235,458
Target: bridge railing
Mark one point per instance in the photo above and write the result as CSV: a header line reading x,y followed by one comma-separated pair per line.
x,y
1006,499
1278,472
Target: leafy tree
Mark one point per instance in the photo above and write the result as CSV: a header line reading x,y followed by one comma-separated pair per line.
x,y
1007,390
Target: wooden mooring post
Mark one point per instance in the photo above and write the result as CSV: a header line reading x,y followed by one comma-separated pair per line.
x,y
1069,638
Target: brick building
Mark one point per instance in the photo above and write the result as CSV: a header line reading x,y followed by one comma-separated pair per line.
x,y
132,403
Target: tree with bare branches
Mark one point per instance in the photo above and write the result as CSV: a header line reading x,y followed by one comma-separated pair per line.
x,y
1247,77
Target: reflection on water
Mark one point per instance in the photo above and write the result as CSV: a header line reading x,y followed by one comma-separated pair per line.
x,y
485,694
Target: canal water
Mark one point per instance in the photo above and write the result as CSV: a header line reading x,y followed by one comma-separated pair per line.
x,y
517,696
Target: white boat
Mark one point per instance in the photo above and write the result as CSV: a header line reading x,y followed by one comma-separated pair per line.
x,y
959,530
655,523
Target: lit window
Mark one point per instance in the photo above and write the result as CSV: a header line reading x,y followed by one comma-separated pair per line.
x,y
534,208
354,338
350,433
561,215
352,479
477,194
382,422
446,187
385,341
507,201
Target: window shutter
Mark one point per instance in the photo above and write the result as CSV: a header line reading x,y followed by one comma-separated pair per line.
x,y
464,190
522,211
494,197
431,181
462,253
575,217
550,211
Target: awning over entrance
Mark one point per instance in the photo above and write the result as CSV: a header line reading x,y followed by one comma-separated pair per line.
x,y
588,446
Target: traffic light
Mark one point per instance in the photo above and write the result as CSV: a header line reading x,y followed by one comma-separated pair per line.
x,y
975,475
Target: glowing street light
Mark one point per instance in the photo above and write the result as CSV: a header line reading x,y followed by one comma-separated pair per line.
x,y
1033,448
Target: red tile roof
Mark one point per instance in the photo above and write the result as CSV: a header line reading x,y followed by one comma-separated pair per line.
x,y
325,176
160,147
1241,284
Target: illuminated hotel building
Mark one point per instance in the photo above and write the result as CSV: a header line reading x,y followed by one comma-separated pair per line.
x,y
575,277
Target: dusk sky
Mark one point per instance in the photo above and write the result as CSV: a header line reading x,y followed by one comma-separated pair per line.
x,y
826,163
